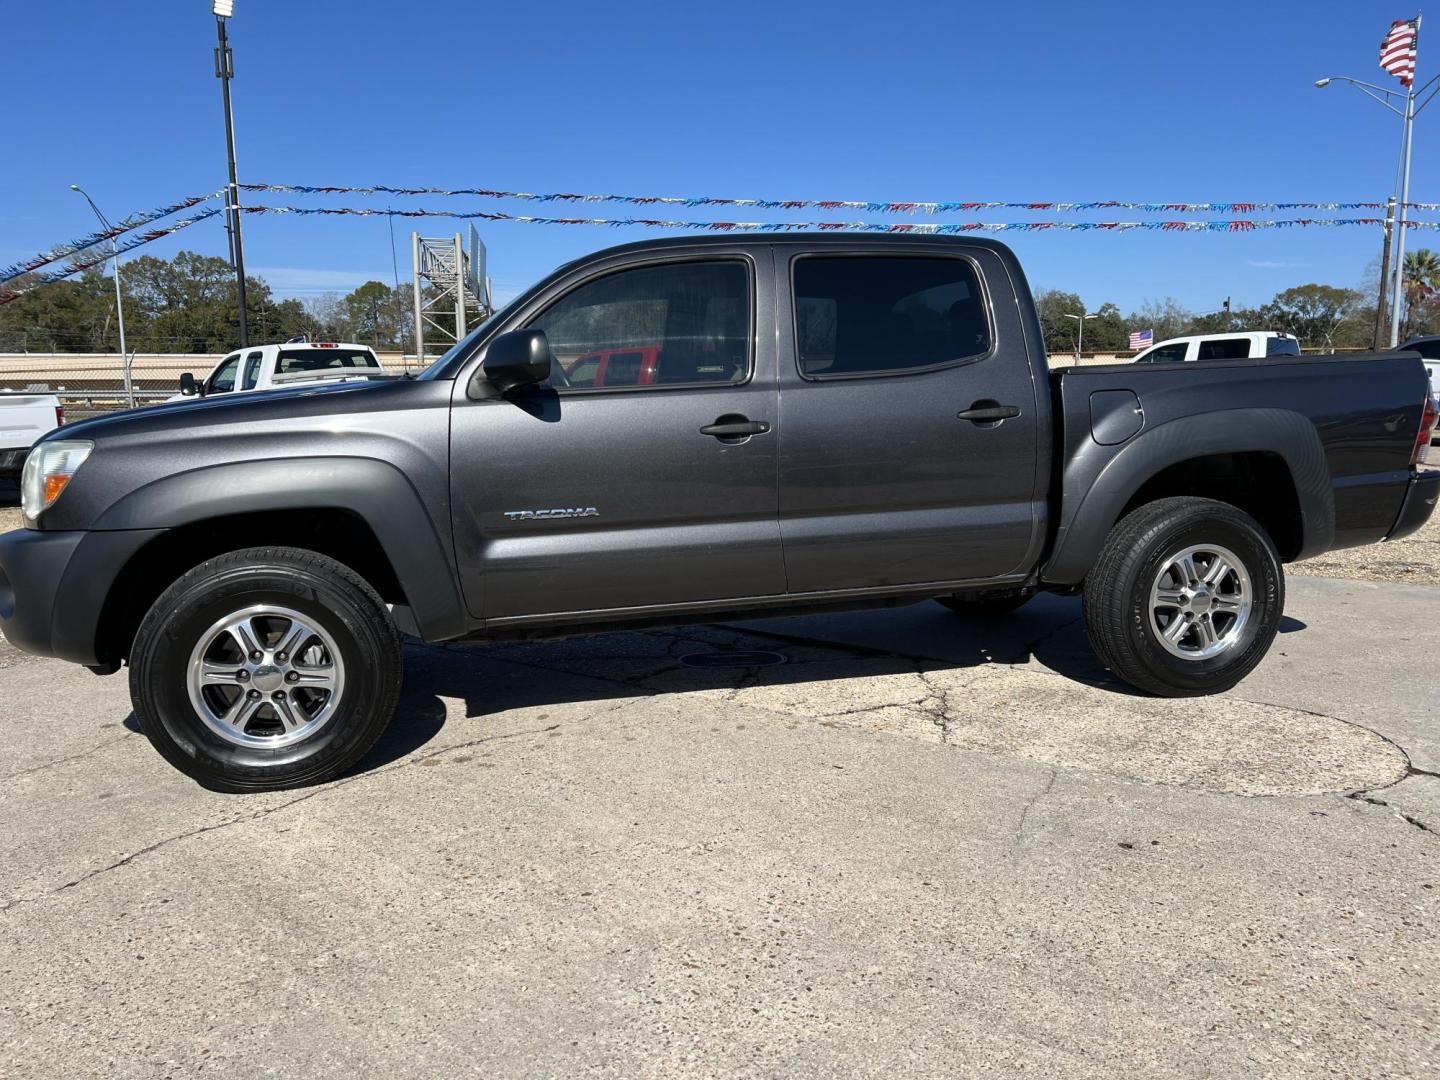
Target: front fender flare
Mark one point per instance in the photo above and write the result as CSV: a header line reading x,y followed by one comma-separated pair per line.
x,y
1098,489
375,491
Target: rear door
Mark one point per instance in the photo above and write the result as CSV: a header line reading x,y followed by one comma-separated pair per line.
x,y
595,493
910,443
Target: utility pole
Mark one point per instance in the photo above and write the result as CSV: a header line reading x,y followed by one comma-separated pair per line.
x,y
125,372
1384,274
1226,309
225,71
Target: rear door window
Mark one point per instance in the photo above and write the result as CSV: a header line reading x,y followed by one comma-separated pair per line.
x,y
887,315
252,371
1224,349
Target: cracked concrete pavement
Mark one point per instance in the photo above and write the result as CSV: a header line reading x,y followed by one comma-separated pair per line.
x,y
923,845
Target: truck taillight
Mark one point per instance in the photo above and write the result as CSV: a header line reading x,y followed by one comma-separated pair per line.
x,y
59,415
1428,418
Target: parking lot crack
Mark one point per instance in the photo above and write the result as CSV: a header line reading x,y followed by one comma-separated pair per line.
x,y
67,759
257,815
1409,819
1017,841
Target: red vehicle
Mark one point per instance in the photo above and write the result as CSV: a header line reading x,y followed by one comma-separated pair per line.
x,y
635,366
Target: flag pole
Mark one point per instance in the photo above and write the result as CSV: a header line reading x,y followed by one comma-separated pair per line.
x,y
1397,294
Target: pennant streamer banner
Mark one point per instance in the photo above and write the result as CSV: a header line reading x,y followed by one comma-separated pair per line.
x,y
96,258
125,225
835,204
917,228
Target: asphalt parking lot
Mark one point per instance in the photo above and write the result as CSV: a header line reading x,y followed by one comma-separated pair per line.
x,y
922,845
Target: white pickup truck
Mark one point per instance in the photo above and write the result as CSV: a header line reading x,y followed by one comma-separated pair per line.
x,y
1237,345
271,367
24,418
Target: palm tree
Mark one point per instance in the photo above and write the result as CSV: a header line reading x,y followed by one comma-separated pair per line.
x,y
1422,281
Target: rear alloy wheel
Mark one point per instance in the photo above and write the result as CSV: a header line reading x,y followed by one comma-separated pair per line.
x,y
265,668
1185,598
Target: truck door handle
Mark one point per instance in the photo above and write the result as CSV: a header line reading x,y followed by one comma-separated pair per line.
x,y
988,412
735,427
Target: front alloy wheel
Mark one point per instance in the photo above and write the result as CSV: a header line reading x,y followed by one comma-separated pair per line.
x,y
265,676
265,668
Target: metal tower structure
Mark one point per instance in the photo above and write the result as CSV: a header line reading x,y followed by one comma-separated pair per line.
x,y
451,290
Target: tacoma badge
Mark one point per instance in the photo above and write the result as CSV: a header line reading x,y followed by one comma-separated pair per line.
x,y
561,512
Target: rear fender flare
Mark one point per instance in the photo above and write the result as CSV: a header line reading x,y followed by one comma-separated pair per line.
x,y
1290,435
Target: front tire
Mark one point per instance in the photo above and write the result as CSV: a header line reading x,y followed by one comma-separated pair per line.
x,y
264,669
1185,598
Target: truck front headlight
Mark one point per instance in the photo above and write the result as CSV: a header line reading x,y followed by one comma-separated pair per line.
x,y
48,471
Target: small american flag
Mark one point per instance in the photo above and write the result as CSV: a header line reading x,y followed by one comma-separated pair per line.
x,y
1142,339
1397,51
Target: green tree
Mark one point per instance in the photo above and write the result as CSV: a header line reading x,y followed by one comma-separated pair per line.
x,y
1052,305
1422,282
1313,313
1168,318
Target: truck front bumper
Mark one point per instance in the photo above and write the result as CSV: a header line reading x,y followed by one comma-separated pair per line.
x,y
1420,497
54,585
13,460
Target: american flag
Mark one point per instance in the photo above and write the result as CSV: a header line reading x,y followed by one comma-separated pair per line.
x,y
1142,339
1397,51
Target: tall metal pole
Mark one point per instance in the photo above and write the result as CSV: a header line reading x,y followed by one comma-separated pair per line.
x,y
119,303
419,311
459,288
1380,313
225,71
1398,292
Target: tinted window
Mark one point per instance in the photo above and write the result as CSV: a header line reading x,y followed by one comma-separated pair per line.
x,y
323,360
692,318
1165,354
856,316
252,371
1429,348
1279,346
1224,349
222,380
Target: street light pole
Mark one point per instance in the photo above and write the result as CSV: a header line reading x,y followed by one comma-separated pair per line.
x,y
1080,340
119,303
1398,292
225,71
1412,108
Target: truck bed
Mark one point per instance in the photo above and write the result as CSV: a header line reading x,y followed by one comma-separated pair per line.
x,y
1342,426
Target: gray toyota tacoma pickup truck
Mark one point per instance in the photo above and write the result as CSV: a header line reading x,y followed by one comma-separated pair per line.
x,y
694,429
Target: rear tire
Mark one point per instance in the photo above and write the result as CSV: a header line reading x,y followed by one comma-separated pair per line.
x,y
1154,615
219,694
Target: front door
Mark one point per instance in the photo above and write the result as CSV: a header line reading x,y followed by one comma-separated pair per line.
x,y
632,482
911,439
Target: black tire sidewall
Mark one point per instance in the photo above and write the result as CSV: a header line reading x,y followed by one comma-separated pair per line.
x,y
170,721
1229,529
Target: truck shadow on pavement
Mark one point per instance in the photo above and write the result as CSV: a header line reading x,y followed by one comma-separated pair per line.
x,y
899,665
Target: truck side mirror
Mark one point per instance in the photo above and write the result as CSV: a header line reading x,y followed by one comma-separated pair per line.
x,y
188,386
519,358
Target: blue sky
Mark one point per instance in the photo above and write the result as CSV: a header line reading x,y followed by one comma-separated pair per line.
x,y
923,101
